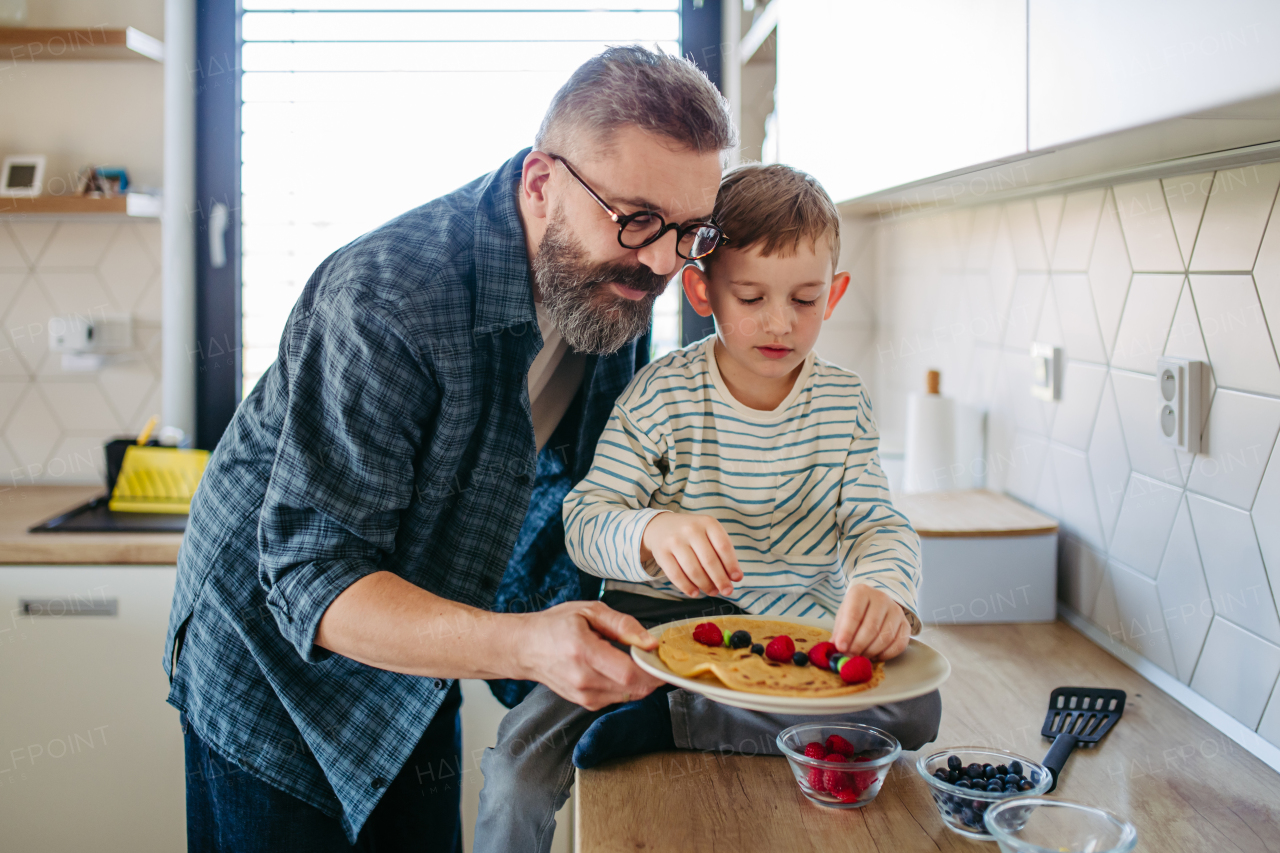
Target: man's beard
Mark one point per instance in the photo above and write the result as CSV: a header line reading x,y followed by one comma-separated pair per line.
x,y
591,317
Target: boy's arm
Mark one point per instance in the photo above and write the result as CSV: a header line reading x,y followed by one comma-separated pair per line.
x,y
605,515
879,547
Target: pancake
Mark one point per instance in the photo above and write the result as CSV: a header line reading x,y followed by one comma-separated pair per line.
x,y
751,673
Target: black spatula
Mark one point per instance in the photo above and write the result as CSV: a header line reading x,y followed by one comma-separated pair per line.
x,y
1078,715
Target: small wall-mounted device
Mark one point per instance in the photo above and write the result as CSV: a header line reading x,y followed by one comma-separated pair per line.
x,y
86,341
1179,401
1046,371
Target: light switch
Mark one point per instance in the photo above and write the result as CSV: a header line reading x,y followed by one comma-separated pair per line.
x,y
1046,371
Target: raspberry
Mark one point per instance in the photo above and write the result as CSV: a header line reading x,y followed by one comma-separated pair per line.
x,y
780,649
836,780
840,746
708,633
818,654
815,750
863,779
848,795
855,670
816,779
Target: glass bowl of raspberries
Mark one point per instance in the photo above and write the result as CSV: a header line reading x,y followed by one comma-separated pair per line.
x,y
967,780
839,765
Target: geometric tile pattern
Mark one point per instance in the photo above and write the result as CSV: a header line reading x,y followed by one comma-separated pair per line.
x,y
53,424
1176,556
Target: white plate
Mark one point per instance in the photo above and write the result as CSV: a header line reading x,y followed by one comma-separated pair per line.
x,y
915,672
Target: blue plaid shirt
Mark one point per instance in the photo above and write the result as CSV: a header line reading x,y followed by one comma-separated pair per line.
x,y
393,433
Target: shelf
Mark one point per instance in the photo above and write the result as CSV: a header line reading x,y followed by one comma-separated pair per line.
x,y
130,204
60,44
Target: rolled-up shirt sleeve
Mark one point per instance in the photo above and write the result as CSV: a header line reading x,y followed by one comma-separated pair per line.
x,y
359,399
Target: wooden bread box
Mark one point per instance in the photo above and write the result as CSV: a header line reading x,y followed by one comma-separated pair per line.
x,y
986,557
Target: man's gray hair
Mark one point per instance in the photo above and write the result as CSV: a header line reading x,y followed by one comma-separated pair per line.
x,y
654,91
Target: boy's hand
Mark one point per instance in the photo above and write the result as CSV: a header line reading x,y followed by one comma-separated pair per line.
x,y
871,623
693,551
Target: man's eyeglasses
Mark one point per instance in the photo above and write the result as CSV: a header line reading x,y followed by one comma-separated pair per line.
x,y
637,230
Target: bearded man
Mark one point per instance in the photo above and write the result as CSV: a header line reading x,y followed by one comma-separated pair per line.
x,y
382,516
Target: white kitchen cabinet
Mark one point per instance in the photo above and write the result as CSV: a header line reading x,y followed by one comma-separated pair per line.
x,y
875,95
1101,66
90,754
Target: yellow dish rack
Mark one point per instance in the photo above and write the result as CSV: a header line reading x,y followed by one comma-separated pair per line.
x,y
158,479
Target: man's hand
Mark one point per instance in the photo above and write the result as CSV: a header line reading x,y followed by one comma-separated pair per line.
x,y
566,648
693,551
871,623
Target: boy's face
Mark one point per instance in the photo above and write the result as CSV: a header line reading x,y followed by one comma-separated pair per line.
x,y
768,309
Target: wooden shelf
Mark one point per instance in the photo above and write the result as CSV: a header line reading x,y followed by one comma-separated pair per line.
x,y
130,204
60,44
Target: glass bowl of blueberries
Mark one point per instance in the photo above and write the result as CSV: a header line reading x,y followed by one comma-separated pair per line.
x,y
967,780
839,765
1039,825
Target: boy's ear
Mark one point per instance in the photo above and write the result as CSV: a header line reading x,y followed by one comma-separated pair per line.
x,y
695,290
839,285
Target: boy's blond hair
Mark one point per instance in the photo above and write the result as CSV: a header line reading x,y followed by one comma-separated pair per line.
x,y
777,207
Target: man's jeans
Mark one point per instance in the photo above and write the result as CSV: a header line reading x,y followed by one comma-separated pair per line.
x,y
528,775
229,810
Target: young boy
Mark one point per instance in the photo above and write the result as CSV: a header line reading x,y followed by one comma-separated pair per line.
x,y
739,474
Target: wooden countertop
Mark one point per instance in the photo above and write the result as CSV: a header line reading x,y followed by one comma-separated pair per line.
x,y
972,513
1183,784
23,506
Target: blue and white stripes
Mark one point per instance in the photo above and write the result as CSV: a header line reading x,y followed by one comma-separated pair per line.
x,y
798,489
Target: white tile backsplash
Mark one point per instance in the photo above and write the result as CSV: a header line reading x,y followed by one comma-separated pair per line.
x,y
1077,230
1235,333
1144,326
1234,218
1233,567
1148,230
1082,385
69,267
1109,273
1234,447
1186,195
1081,337
1237,671
1146,517
1184,593
1190,545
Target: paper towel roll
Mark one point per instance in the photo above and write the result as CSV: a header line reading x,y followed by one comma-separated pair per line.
x,y
930,453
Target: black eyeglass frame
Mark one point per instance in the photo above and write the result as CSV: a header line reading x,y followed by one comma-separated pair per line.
x,y
623,220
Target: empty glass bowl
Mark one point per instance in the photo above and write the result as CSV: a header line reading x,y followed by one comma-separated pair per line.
x,y
1039,825
963,808
848,785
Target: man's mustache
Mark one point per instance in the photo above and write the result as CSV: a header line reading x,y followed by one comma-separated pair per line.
x,y
637,278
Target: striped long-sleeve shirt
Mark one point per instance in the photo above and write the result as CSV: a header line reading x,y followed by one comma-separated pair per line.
x,y
799,489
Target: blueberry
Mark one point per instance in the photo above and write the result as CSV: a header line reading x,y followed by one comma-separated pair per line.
x,y
1010,789
974,771
989,772
994,787
1010,779
1002,770
800,659
940,774
967,816
953,775
954,762
964,783
1015,767
740,640
1025,785
757,649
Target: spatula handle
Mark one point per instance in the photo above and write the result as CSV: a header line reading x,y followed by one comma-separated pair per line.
x,y
1058,754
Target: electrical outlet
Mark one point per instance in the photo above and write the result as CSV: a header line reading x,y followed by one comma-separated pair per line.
x,y
1178,402
1046,371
